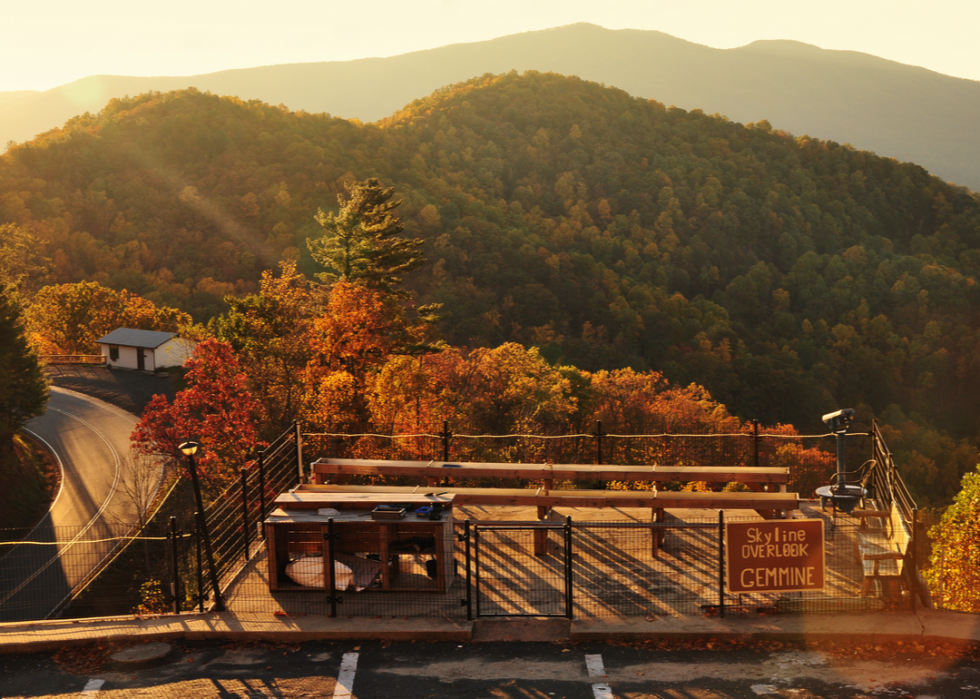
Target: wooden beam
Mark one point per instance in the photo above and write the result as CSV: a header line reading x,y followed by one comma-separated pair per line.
x,y
309,496
551,472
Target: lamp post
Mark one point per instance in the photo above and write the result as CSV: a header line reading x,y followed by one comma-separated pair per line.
x,y
189,449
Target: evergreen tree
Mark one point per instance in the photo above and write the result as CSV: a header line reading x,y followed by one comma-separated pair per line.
x,y
23,386
363,244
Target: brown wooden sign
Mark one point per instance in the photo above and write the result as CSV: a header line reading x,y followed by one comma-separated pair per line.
x,y
775,555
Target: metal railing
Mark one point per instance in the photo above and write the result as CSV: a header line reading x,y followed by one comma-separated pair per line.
x,y
810,458
610,567
72,358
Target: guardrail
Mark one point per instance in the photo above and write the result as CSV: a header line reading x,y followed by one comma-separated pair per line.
x,y
72,358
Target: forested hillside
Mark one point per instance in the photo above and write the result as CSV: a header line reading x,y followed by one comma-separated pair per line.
x,y
788,275
902,111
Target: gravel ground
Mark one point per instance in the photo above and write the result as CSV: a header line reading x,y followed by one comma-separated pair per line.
x,y
126,389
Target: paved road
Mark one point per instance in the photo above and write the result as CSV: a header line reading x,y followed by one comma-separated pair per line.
x,y
514,670
90,439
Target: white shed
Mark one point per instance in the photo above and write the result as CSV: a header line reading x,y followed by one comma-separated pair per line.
x,y
145,349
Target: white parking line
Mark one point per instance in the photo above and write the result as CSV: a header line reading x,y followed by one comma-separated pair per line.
x,y
345,680
595,667
92,687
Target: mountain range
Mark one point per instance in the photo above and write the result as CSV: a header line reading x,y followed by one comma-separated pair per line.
x,y
895,110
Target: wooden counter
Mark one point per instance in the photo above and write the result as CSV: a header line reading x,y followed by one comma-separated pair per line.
x,y
297,528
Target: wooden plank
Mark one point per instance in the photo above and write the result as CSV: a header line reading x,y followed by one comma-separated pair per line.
x,y
469,469
307,496
355,498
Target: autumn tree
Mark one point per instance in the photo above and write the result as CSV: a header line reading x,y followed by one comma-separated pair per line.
x,y
355,335
23,386
500,390
270,333
23,267
69,318
216,409
954,576
362,243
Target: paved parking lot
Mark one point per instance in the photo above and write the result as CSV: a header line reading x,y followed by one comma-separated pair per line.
x,y
506,670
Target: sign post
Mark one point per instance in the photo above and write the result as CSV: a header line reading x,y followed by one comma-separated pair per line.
x,y
775,555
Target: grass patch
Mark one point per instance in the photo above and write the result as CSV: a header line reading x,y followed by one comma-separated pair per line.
x,y
29,481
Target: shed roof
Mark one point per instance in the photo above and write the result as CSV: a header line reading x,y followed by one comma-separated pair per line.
x,y
129,337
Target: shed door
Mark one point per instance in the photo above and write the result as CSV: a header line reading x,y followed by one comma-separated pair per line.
x,y
140,363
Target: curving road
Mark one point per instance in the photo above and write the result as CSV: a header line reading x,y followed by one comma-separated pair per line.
x,y
90,438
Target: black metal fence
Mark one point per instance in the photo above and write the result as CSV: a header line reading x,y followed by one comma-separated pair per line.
x,y
810,458
235,516
45,572
586,569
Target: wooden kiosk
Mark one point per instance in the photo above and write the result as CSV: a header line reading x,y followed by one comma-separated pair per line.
x,y
373,534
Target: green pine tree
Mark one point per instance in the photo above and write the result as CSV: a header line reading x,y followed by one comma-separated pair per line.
x,y
362,243
23,385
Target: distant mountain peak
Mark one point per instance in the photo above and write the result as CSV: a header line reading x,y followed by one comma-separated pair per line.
x,y
899,111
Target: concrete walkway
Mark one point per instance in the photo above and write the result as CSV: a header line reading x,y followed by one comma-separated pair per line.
x,y
924,626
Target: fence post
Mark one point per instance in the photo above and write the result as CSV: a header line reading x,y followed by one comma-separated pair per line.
x,y
243,473
569,604
446,436
298,426
262,490
598,442
755,441
331,572
476,567
200,565
721,563
175,581
914,577
469,593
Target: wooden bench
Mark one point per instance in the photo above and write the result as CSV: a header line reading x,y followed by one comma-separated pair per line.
x,y
309,496
881,551
761,479
758,479
863,515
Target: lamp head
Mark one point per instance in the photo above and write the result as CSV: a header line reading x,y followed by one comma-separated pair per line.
x,y
840,420
189,448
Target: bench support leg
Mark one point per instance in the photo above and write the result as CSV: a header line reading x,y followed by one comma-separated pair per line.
x,y
541,535
657,535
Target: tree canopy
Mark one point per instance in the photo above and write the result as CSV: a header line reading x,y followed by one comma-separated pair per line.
x,y
786,274
23,385
954,575
70,318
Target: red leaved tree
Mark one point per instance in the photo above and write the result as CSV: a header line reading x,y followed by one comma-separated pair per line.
x,y
216,409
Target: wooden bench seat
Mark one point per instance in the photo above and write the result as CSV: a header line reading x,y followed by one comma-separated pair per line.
x,y
306,496
758,478
881,552
876,516
766,504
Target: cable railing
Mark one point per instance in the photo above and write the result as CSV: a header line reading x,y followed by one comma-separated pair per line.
x,y
809,457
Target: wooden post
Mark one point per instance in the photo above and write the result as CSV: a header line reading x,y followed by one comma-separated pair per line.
x,y
544,514
656,533
299,449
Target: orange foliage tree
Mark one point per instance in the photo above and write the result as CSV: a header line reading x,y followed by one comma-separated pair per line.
x,y
359,329
270,333
69,318
502,390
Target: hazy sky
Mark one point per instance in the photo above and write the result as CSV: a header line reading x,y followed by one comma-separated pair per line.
x,y
46,43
